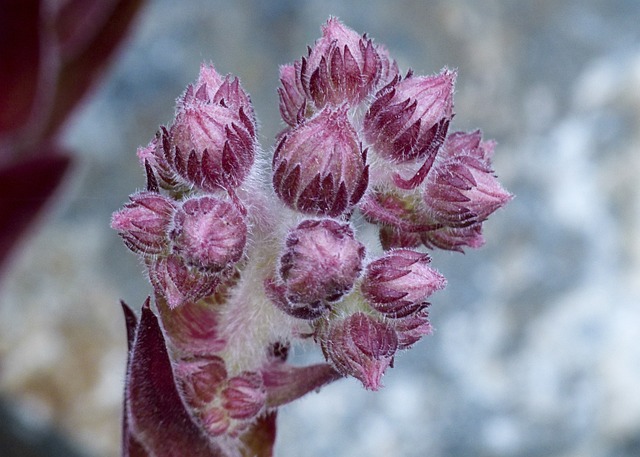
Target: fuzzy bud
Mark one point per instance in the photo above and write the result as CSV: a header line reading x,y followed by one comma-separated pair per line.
x,y
221,404
319,166
397,284
362,347
143,223
244,396
178,283
410,329
212,141
461,190
321,261
209,233
343,66
225,91
409,119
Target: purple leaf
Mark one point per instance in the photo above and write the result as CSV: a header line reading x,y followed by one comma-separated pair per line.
x,y
25,188
156,414
20,61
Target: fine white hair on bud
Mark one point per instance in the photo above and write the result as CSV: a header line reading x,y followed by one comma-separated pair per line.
x,y
245,261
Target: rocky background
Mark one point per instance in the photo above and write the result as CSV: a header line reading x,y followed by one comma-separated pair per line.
x,y
536,350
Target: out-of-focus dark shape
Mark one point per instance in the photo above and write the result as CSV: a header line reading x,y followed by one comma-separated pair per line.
x,y
51,57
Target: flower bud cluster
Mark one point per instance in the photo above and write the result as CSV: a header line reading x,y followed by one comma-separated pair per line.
x,y
187,226
239,268
222,404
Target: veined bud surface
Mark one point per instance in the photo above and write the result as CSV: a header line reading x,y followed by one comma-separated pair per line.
x,y
319,167
225,91
321,261
398,284
361,346
222,404
211,143
410,329
461,189
409,119
341,67
143,222
209,233
178,283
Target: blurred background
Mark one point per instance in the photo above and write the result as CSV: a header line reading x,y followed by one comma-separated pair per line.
x,y
537,344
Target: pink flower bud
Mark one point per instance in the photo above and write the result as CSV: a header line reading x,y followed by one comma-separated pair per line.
x,y
461,189
221,404
143,223
209,233
153,155
342,67
201,378
293,102
361,346
409,120
454,239
319,166
410,329
398,283
210,145
178,283
245,396
321,261
225,91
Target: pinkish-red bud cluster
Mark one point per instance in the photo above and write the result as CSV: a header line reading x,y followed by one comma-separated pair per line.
x,y
223,404
241,271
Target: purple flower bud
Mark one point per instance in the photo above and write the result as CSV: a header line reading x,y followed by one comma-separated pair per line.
x,y
454,239
225,91
321,261
461,189
193,328
409,120
221,404
319,166
361,346
178,283
402,217
210,145
153,155
143,223
209,233
410,329
201,378
397,284
342,67
293,102
245,396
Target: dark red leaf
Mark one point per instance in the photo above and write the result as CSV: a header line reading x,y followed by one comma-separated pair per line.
x,y
80,71
156,412
19,62
25,188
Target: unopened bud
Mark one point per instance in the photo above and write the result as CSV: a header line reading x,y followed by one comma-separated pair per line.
x,y
143,223
409,120
178,283
410,329
362,347
399,283
319,167
321,261
209,233
461,189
